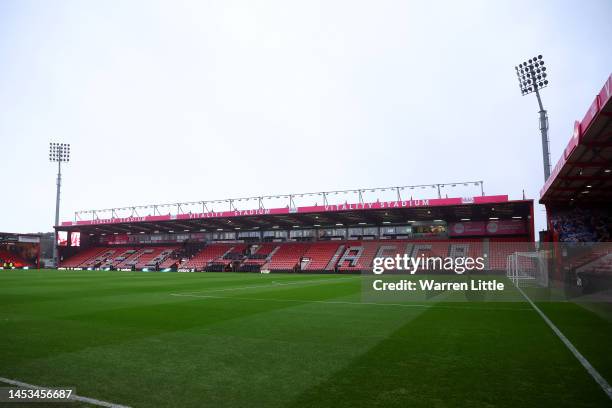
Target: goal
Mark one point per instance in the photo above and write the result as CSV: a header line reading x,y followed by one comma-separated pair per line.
x,y
528,268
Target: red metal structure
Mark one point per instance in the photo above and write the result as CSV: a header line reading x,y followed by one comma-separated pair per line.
x,y
577,197
580,185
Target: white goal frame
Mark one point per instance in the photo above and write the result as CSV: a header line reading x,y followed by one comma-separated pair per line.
x,y
535,274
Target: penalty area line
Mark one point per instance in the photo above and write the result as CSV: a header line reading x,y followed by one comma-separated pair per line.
x,y
332,302
269,285
605,386
74,397
342,302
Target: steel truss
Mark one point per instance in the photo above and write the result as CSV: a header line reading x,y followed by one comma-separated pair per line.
x,y
230,203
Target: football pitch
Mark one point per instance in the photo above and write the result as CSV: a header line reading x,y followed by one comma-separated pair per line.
x,y
288,340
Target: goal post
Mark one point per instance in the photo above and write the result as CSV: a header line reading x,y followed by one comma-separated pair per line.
x,y
528,268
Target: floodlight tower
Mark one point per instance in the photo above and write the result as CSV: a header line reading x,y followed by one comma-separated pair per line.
x,y
60,153
532,77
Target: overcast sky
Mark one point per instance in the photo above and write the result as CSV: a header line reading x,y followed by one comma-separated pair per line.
x,y
171,101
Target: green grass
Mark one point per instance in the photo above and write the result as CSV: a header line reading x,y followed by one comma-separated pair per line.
x,y
288,341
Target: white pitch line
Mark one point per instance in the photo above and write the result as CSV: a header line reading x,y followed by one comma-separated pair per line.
x,y
585,363
296,300
75,397
340,302
269,285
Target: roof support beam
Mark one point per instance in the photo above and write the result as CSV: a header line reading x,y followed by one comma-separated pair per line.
x,y
584,178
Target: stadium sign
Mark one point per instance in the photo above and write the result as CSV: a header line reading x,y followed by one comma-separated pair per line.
x,y
377,205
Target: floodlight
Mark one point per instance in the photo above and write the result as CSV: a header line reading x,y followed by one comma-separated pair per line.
x,y
532,77
60,153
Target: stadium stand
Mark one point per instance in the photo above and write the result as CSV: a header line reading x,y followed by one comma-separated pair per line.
x,y
500,248
9,258
319,238
582,225
262,251
172,260
287,257
117,257
100,257
259,255
343,256
588,256
390,248
131,258
319,256
85,256
155,257
358,256
206,256
430,249
599,265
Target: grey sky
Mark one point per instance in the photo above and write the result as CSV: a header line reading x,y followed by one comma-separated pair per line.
x,y
169,101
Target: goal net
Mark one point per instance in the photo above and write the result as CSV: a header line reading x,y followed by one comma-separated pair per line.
x,y
528,269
